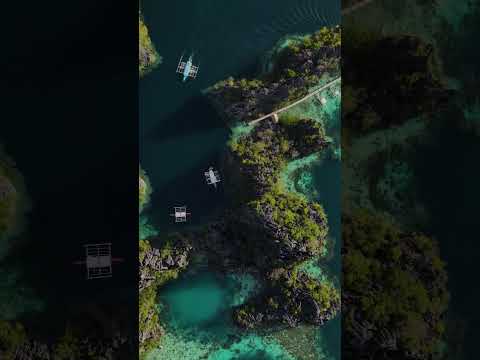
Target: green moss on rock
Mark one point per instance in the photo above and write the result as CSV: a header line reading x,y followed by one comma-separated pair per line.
x,y
291,298
12,335
261,155
305,63
144,189
405,81
148,56
301,224
392,280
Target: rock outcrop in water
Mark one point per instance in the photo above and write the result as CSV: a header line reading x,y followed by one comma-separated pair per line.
x,y
154,263
290,298
156,267
274,230
144,190
300,65
278,229
405,80
259,157
270,226
148,57
394,294
270,229
394,291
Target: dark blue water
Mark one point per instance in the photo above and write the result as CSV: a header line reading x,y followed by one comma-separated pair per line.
x,y
180,133
67,114
181,136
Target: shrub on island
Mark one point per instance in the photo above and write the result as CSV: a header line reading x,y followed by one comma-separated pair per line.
x,y
291,298
394,287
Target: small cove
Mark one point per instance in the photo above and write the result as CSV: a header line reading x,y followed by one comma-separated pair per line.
x,y
181,136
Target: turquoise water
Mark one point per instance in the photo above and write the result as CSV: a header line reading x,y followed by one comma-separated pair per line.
x,y
195,301
182,135
198,307
197,311
317,177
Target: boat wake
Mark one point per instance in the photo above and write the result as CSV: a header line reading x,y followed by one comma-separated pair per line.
x,y
303,17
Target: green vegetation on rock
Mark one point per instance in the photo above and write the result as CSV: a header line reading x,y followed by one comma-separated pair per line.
x,y
144,189
302,224
304,63
157,266
68,347
12,335
291,297
274,229
265,151
405,81
148,56
393,280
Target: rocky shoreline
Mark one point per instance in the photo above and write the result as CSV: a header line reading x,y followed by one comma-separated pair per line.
x,y
394,291
148,58
304,63
267,228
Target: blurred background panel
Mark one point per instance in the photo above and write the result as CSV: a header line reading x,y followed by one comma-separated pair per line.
x,y
410,132
68,176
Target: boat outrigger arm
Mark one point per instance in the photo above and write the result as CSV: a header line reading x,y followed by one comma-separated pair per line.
x,y
187,69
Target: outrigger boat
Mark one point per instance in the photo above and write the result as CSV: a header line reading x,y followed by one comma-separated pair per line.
x,y
187,69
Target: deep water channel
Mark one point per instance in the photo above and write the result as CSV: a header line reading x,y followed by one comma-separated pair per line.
x,y
181,136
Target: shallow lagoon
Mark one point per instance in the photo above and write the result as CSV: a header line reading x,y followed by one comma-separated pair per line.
x,y
198,306
181,136
197,312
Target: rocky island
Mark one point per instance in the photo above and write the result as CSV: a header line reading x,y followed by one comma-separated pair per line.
x,y
157,266
395,289
271,229
394,292
267,231
294,68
